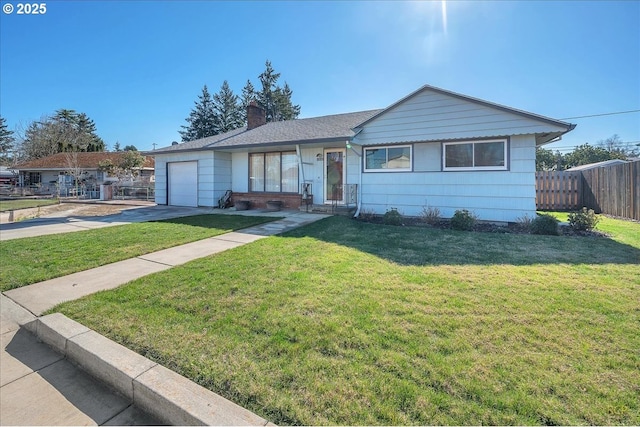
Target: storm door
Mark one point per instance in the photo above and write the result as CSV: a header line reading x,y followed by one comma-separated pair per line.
x,y
334,175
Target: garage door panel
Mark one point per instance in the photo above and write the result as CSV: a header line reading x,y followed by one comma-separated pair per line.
x,y
183,183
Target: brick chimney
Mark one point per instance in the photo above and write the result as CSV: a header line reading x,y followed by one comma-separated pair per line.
x,y
256,116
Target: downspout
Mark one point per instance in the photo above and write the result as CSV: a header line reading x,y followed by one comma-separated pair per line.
x,y
359,204
300,165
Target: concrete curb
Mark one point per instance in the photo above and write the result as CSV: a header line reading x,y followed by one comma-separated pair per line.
x,y
168,396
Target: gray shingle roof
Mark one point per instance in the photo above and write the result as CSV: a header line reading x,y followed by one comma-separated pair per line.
x,y
314,129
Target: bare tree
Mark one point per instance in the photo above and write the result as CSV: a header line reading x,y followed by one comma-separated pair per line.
x,y
74,169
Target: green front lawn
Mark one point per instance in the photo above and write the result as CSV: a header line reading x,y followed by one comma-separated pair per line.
x,y
342,322
32,260
12,205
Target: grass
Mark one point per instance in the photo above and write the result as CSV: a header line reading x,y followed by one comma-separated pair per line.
x,y
11,205
32,260
342,322
624,231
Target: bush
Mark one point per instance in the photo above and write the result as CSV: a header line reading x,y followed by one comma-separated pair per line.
x,y
392,217
463,220
524,223
430,215
583,220
545,224
367,215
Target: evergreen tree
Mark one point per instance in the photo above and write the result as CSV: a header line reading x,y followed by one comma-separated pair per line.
x,y
285,110
266,98
202,119
248,95
86,126
74,131
227,109
6,142
65,131
275,100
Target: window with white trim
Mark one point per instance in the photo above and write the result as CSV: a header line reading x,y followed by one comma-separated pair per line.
x,y
396,158
475,155
275,172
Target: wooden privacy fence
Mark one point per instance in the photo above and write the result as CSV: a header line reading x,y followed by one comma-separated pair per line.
x,y
613,190
558,190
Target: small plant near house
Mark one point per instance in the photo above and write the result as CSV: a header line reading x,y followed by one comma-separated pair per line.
x,y
545,224
430,215
583,220
523,223
392,217
463,220
367,215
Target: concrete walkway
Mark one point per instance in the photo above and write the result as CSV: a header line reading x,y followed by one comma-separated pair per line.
x,y
40,386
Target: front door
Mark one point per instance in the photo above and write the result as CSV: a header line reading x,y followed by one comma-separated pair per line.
x,y
334,174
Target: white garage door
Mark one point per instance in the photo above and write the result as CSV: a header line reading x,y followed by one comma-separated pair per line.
x,y
183,184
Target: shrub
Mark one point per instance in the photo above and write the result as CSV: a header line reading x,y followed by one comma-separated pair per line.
x,y
367,215
392,217
545,224
463,220
430,215
524,223
583,220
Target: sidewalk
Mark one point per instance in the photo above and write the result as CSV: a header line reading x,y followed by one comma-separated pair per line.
x,y
40,386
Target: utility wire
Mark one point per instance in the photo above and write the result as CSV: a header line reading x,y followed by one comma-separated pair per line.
x,y
603,114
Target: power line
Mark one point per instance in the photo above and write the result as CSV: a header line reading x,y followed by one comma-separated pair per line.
x,y
602,114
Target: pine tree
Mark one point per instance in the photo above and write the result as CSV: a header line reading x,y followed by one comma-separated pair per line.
x,y
266,98
65,131
248,95
6,142
227,109
74,131
276,100
87,127
285,110
202,119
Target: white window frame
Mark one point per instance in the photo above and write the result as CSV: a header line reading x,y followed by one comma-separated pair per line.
x,y
476,168
387,147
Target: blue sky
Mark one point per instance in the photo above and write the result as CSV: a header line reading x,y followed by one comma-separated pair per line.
x,y
136,67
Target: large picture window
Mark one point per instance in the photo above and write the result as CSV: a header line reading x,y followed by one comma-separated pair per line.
x,y
475,155
275,172
388,159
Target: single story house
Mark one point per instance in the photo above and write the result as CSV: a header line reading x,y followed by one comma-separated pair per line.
x,y
57,170
433,148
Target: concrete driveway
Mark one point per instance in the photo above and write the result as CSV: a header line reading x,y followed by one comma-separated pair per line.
x,y
70,221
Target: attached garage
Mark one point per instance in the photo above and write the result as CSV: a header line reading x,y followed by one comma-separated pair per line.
x,y
183,183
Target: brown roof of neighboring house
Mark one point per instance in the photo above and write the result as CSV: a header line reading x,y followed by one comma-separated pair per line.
x,y
84,161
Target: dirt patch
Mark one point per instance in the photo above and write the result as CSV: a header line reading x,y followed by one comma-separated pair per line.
x,y
97,210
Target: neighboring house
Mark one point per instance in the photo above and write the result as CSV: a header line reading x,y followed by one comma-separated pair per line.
x,y
7,175
58,170
597,165
432,148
